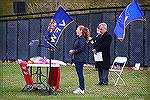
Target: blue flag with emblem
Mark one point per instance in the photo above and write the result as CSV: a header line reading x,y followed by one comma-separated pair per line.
x,y
131,13
56,26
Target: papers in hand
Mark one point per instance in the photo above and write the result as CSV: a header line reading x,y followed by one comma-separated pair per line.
x,y
98,56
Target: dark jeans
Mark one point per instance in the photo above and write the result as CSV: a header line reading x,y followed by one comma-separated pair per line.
x,y
103,75
79,70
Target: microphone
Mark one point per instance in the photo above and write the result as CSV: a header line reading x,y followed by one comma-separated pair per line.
x,y
93,40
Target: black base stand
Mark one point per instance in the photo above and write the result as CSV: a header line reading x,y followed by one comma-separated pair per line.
x,y
50,90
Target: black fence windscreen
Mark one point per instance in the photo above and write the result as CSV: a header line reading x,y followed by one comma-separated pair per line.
x,y
17,34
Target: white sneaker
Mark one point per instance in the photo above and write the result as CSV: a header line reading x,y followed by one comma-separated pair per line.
x,y
78,91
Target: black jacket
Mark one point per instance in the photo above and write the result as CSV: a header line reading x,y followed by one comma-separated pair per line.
x,y
102,44
80,49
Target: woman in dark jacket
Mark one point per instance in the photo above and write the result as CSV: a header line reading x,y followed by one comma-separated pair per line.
x,y
102,44
78,52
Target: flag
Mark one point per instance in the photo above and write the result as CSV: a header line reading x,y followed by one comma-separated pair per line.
x,y
131,13
56,26
26,74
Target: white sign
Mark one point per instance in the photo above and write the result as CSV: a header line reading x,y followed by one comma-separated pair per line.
x,y
98,56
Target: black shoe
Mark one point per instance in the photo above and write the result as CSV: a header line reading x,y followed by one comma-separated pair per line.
x,y
98,83
102,84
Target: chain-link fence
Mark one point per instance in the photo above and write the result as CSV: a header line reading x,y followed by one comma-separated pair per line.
x,y
18,33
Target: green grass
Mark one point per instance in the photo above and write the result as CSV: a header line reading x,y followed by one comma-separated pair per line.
x,y
12,82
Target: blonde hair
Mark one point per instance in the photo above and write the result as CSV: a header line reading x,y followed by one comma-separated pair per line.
x,y
85,32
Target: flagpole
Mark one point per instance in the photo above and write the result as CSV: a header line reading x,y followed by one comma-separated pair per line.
x,y
50,89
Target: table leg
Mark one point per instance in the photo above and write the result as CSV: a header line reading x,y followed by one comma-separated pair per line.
x,y
37,76
47,86
30,71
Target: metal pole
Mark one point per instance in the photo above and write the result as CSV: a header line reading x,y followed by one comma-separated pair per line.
x,y
50,89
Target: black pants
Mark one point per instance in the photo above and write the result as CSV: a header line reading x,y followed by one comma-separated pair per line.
x,y
103,75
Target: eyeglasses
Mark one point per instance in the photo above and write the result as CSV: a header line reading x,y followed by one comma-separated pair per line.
x,y
99,28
